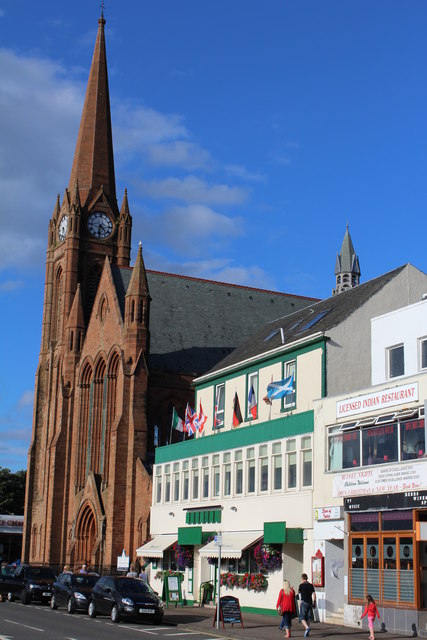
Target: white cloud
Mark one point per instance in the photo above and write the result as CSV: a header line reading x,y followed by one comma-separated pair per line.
x,y
180,153
10,285
191,229
26,399
193,189
241,172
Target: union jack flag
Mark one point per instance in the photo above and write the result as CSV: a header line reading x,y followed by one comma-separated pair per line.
x,y
191,420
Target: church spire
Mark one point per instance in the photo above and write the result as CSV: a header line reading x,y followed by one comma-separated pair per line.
x,y
93,164
347,268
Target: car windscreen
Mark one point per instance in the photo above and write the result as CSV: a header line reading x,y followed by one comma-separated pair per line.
x,y
131,585
41,573
84,580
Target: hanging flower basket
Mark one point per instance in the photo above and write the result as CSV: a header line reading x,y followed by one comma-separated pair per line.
x,y
268,556
161,575
183,555
249,581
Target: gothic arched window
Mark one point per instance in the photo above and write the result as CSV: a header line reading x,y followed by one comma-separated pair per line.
x,y
56,327
98,419
83,424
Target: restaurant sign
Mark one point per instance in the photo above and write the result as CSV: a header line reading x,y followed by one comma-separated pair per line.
x,y
11,524
384,479
377,401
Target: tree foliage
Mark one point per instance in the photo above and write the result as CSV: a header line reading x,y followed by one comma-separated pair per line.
x,y
12,492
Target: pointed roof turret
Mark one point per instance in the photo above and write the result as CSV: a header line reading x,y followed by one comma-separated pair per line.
x,y
347,268
124,209
76,317
93,163
138,284
348,260
57,208
75,199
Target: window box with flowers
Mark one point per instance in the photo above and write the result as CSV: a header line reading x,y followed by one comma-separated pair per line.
x,y
249,581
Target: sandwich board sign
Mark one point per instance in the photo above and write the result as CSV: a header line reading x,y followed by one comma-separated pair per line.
x,y
173,591
123,562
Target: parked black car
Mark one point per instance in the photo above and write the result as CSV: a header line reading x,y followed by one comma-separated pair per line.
x,y
36,583
10,587
72,590
125,598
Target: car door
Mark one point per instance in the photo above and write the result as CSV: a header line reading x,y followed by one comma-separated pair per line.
x,y
107,595
61,589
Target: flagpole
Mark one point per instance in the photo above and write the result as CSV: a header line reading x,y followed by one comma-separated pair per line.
x,y
170,436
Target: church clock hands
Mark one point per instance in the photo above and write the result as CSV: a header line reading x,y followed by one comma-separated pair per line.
x,y
99,225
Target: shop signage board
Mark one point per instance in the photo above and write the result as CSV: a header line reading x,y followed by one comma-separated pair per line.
x,y
173,591
11,524
405,500
229,611
380,479
123,562
328,513
377,401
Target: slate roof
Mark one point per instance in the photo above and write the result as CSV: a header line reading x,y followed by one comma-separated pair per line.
x,y
318,317
195,323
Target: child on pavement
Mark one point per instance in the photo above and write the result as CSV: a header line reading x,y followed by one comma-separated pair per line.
x,y
372,612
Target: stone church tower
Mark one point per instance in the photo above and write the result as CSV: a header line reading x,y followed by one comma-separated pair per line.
x,y
86,476
347,268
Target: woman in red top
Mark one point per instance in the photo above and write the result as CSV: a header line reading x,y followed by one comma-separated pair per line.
x,y
372,612
286,607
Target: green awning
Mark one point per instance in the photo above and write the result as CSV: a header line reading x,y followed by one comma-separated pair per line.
x,y
275,532
189,535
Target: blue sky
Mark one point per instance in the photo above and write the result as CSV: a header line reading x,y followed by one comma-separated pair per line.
x,y
248,132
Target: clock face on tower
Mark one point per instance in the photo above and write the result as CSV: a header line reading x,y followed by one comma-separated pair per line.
x,y
99,225
62,229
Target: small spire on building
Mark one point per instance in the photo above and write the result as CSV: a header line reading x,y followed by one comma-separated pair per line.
x,y
347,268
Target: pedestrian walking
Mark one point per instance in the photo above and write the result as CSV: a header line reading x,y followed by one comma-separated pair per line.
x,y
83,569
132,573
143,575
286,607
307,596
372,612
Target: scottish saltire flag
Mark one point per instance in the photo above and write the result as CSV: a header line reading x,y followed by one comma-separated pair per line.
x,y
191,421
202,418
280,389
253,407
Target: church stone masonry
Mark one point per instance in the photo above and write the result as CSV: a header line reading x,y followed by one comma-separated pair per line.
x,y
86,478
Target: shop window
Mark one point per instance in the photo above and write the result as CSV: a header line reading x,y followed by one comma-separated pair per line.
x,y
291,464
245,564
158,489
227,479
289,369
396,363
195,480
238,473
306,461
277,467
216,475
382,558
176,487
185,486
423,353
335,447
351,449
379,444
412,439
263,468
219,406
167,484
250,470
205,477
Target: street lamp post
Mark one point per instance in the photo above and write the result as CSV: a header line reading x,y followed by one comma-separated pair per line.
x,y
218,542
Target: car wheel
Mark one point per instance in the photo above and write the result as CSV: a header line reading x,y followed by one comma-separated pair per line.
x,y
10,597
70,606
53,603
115,614
91,609
25,597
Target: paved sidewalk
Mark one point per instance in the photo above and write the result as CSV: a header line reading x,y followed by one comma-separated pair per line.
x,y
262,627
